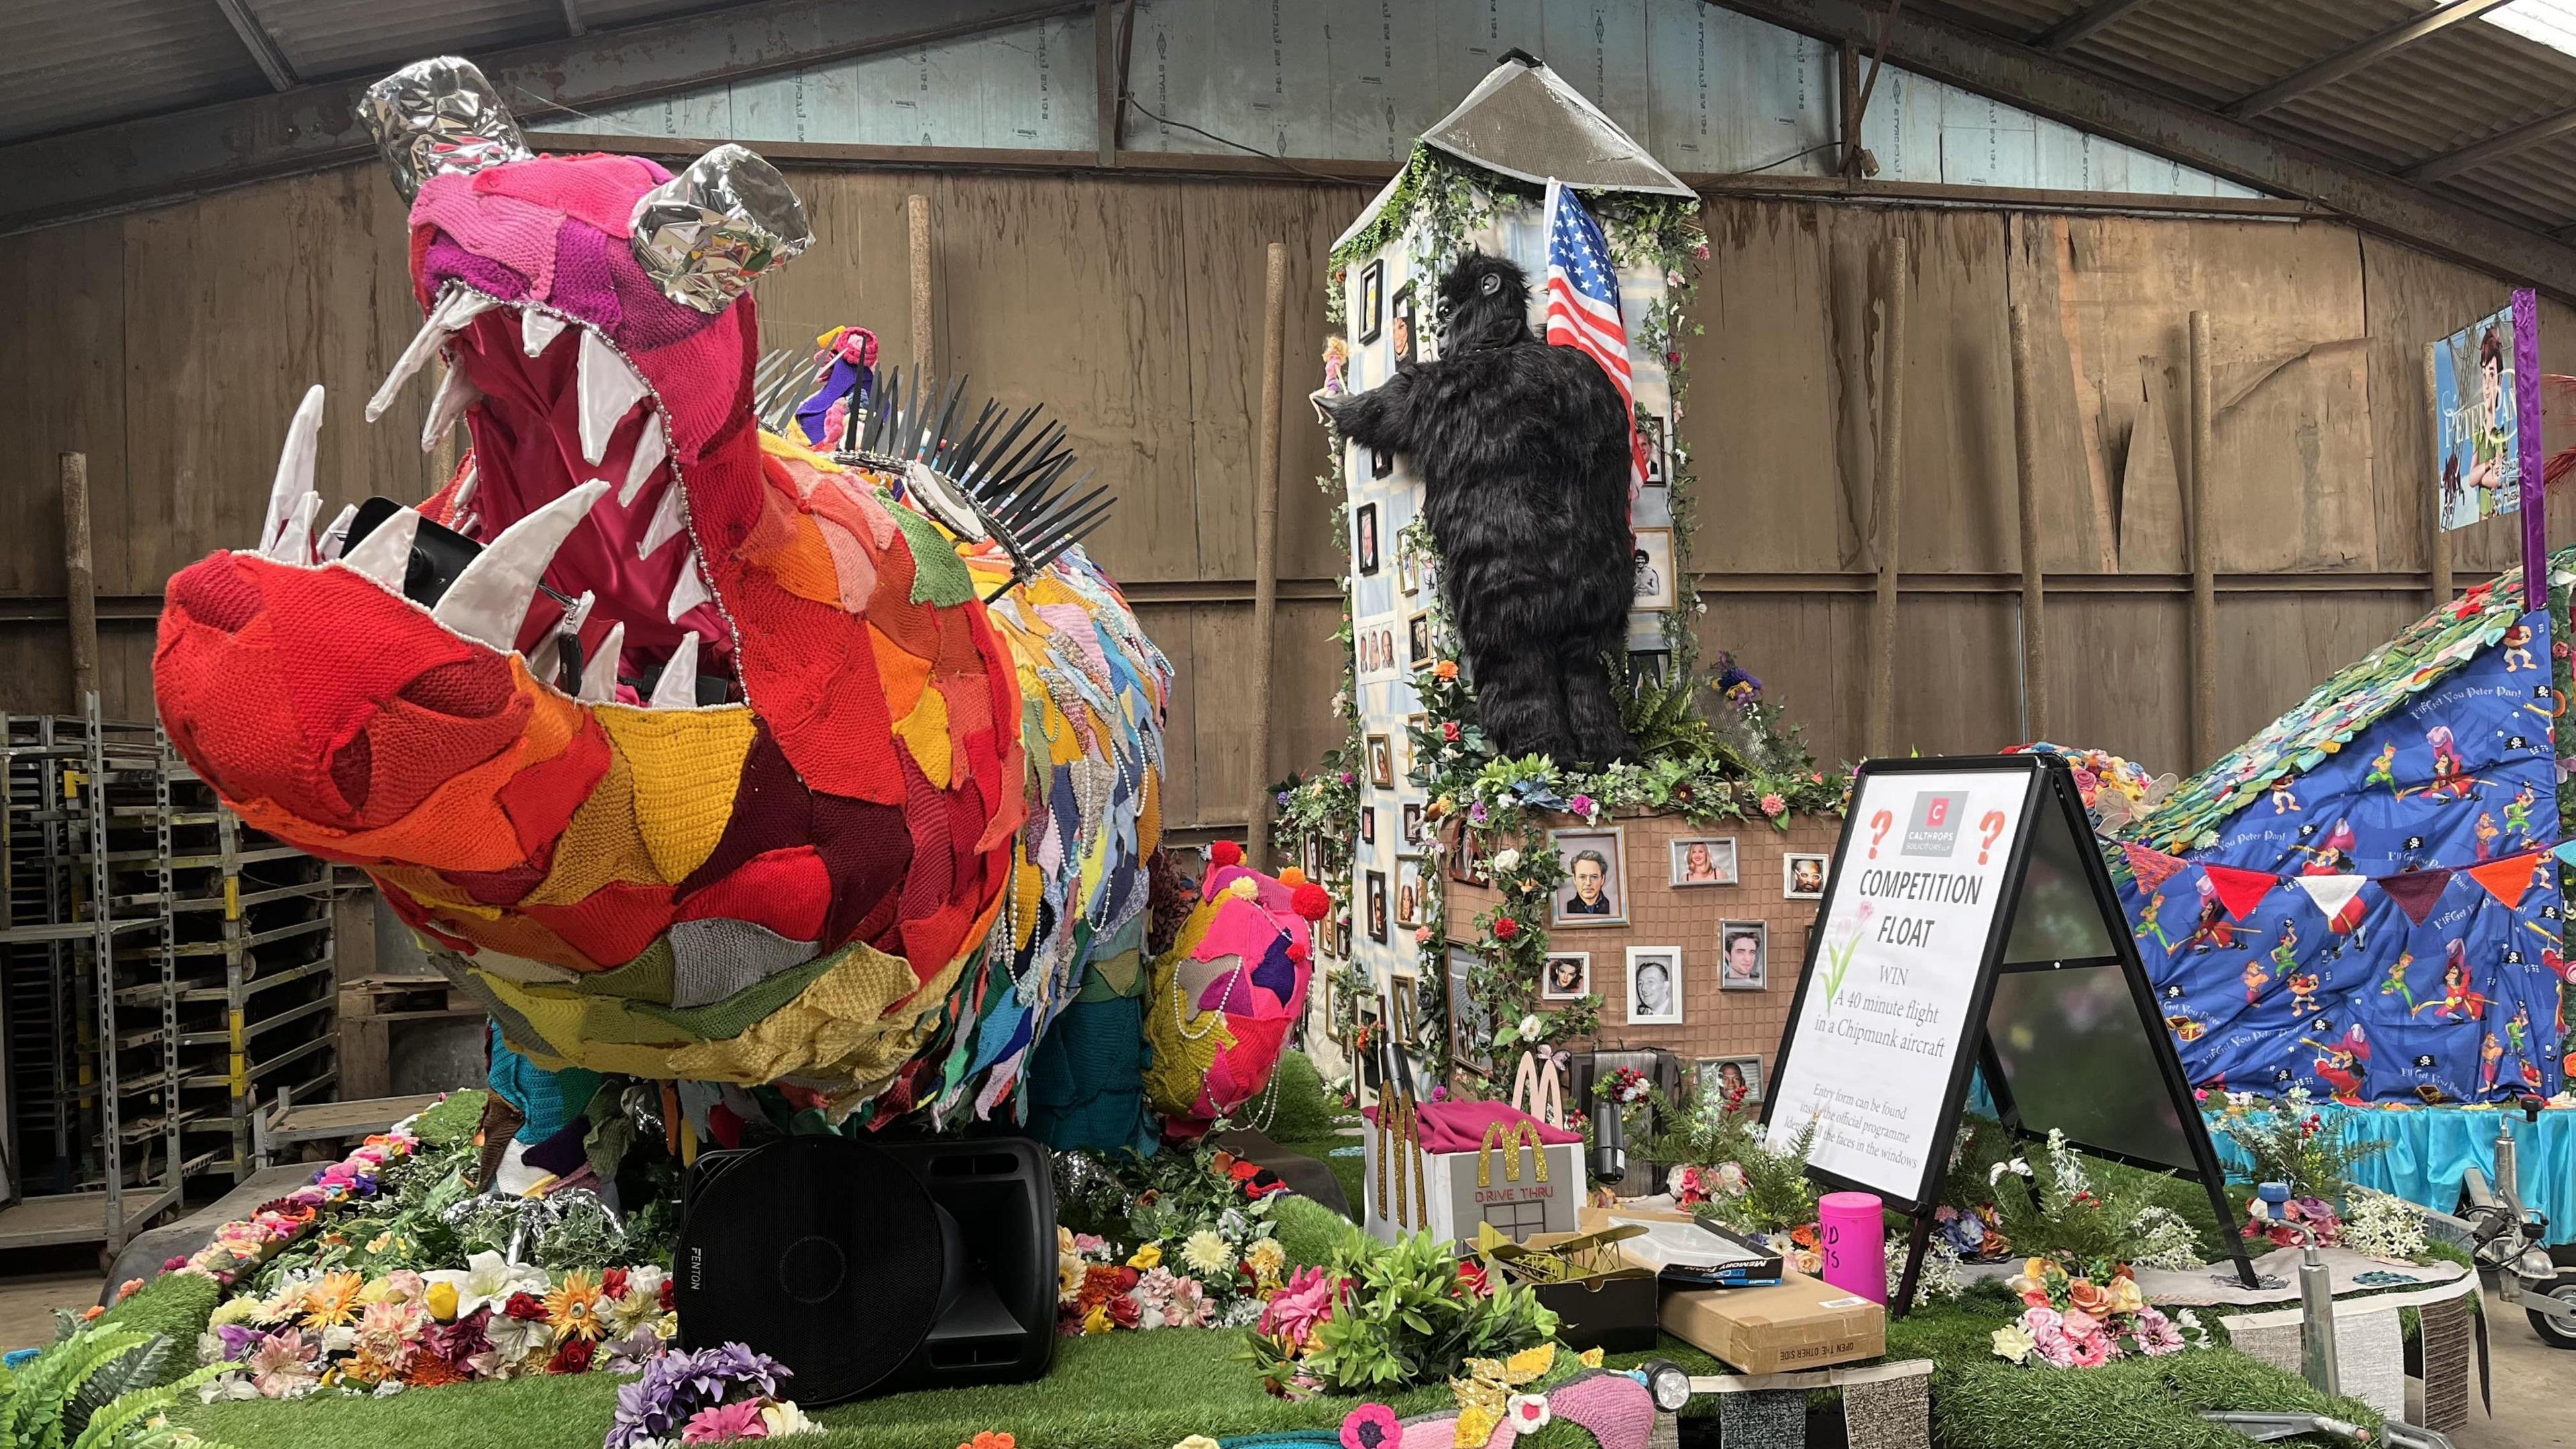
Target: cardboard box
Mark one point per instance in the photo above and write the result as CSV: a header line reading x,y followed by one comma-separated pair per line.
x,y
1614,1311
1798,1323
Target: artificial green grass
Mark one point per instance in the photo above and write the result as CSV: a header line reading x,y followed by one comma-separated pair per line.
x,y
1117,1391
1308,1231
1300,1109
453,1121
174,1305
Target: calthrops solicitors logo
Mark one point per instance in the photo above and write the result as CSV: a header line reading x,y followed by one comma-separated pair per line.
x,y
1933,828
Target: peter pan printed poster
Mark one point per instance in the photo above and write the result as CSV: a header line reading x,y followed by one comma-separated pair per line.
x,y
2476,444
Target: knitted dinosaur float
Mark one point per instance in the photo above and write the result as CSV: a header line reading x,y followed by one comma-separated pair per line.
x,y
718,757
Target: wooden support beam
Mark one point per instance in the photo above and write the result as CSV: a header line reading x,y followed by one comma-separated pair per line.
x,y
2204,551
2437,539
1889,507
2034,588
80,583
1265,548
2345,62
925,356
2086,23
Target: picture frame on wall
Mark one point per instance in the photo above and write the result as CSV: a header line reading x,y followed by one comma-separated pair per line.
x,y
1650,436
1744,955
1704,860
1368,825
1413,837
1369,310
1406,317
1654,986
1417,640
1471,1021
1721,1078
1381,462
1649,666
1467,864
1408,892
1802,877
1377,906
1655,585
1364,539
1567,976
1408,570
1381,762
1595,891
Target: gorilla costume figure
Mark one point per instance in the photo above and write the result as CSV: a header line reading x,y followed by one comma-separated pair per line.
x,y
1523,453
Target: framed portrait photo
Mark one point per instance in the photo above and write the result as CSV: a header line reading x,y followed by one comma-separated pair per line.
x,y
1377,906
1407,316
1381,463
1654,560
1413,836
1744,955
1368,310
1471,1021
1595,891
1408,571
1381,762
1650,433
1364,538
1737,1079
1417,640
1704,860
1409,905
1368,825
1648,666
1654,986
1567,976
1802,877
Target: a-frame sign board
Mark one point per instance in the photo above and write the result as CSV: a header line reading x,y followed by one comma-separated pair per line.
x,y
1970,927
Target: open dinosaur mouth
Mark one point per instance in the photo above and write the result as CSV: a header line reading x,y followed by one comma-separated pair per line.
x,y
565,539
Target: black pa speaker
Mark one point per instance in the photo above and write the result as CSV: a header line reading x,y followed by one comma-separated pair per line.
x,y
870,1267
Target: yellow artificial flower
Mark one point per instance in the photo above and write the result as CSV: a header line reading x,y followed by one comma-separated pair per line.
x,y
1196,1441
572,1310
1096,1322
2125,1297
441,1299
332,1300
1205,1252
1267,1260
1148,1256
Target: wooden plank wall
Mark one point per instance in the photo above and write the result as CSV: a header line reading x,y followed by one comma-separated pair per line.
x,y
171,345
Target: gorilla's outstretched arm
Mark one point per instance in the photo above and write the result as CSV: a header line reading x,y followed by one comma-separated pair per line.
x,y
1385,417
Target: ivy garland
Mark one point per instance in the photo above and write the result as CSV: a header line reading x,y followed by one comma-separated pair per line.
x,y
1745,765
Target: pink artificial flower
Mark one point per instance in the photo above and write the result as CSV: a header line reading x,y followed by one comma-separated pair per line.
x,y
2041,1319
1294,1311
1772,805
1422,935
2092,1352
2079,1324
2055,1349
1581,805
1371,1426
725,1422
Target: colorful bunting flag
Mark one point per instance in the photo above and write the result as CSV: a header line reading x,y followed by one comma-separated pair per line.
x,y
2416,891
2151,866
2331,892
2505,879
2238,890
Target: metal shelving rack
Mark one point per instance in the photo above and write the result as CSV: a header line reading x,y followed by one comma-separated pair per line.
x,y
91,955
257,1002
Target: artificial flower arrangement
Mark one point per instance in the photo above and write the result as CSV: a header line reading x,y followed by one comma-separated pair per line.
x,y
491,1319
2288,1140
1183,1242
1387,1316
1626,1086
2062,1212
719,1395
2085,1315
240,1247
1544,1395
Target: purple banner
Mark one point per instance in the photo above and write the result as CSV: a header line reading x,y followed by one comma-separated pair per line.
x,y
2535,453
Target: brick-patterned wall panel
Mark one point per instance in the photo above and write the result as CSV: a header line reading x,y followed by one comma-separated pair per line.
x,y
1715,1022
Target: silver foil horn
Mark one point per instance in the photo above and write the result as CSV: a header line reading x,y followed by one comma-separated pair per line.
x,y
706,233
436,116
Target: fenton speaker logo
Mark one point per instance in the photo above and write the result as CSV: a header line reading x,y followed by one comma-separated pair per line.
x,y
1934,827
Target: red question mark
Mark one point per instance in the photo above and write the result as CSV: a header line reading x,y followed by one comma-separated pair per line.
x,y
1992,825
1878,826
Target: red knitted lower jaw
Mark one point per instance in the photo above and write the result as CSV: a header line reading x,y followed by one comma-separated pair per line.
x,y
633,553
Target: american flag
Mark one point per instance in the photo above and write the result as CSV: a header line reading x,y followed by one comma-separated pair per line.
x,y
1583,305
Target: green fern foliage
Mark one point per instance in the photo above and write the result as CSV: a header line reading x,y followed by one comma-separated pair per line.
x,y
95,1389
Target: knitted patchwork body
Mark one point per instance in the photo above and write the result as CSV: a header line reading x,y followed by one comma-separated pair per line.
x,y
876,863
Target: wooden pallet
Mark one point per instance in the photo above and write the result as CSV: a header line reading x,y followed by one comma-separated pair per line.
x,y
374,1008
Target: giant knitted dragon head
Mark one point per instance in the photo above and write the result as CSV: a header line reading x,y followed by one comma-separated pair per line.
x,y
711,758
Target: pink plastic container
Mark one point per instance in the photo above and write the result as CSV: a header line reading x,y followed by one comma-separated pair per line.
x,y
1852,1232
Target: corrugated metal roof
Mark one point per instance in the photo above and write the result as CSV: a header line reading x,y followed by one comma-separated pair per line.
x,y
2463,84
71,64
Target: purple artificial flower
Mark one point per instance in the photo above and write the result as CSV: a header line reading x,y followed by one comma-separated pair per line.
x,y
676,1386
239,1338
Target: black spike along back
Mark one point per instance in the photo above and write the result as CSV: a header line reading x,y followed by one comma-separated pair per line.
x,y
982,476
